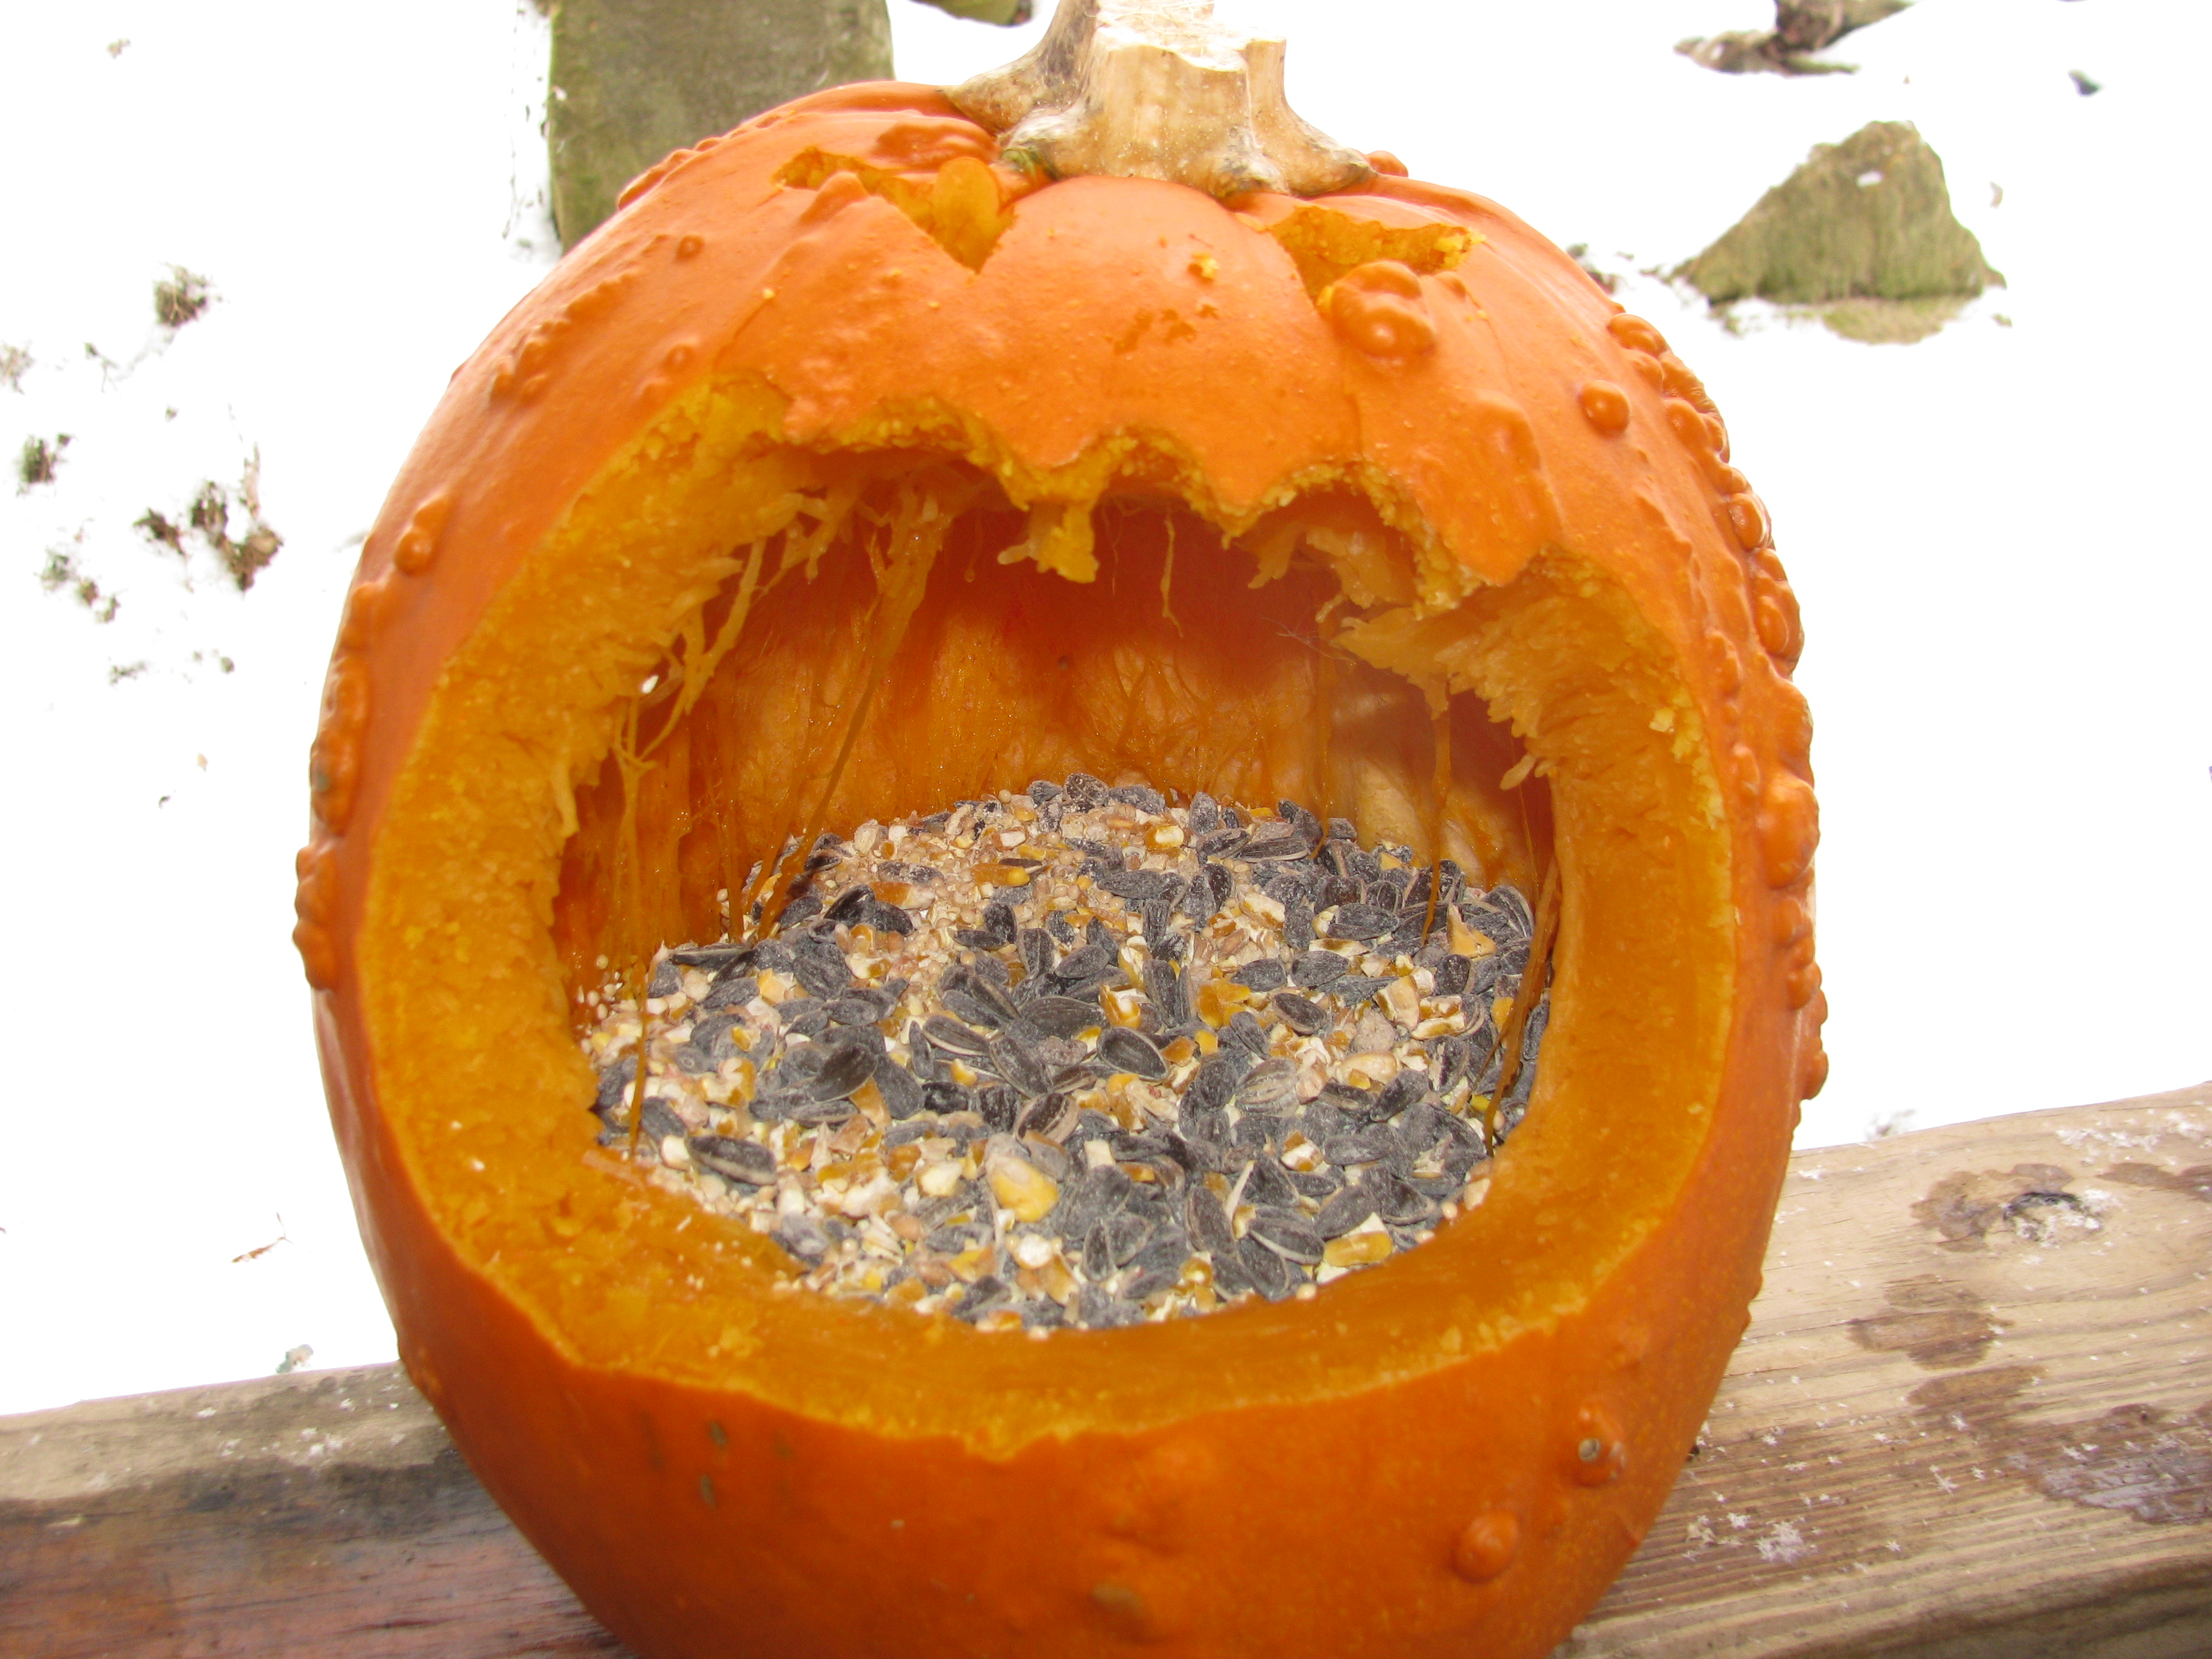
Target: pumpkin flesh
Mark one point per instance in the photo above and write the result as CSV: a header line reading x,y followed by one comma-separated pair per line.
x,y
618,1367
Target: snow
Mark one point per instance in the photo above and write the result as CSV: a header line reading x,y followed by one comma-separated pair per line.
x,y
1996,534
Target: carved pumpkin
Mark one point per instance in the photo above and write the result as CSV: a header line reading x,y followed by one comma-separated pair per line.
x,y
858,431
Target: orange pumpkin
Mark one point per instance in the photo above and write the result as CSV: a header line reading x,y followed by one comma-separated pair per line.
x,y
847,436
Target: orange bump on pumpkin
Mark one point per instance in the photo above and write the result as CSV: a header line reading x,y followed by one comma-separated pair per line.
x,y
904,528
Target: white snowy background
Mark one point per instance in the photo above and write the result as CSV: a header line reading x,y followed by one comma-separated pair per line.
x,y
1997,534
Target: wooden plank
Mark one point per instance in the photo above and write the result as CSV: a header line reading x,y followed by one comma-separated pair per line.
x,y
1972,1417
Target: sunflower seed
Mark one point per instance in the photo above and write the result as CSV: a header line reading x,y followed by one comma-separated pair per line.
x,y
1270,1086
1269,1184
1271,1274
1301,1014
1245,1033
1126,1050
954,1038
746,1161
1208,1223
1265,974
1287,1233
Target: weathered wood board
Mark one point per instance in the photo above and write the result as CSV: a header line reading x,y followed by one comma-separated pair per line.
x,y
1972,1417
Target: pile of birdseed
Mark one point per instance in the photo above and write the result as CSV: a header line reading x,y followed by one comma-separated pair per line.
x,y
1078,1057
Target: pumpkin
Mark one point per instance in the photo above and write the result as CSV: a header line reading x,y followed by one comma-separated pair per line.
x,y
897,447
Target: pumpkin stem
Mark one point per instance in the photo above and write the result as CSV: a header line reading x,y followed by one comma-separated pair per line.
x,y
1156,89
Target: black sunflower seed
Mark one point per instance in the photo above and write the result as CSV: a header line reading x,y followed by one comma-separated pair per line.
x,y
854,1009
1050,1117
977,1009
1214,1084
1138,886
807,1019
1254,1135
986,1294
1019,1063
733,992
1091,1197
1398,1204
902,1092
951,1036
1316,970
1400,1092
1085,793
1355,988
822,1111
1297,922
1287,1233
1208,892
1265,974
1451,976
1000,1106
1207,1221
1269,1184
1421,1128
1098,1253
1373,1143
1081,972
1302,1014
711,958
667,979
1099,1310
1034,946
1205,1127
820,966
1272,1275
614,1084
1245,1032
1126,1050
846,907
1281,842
1059,1016
1340,1214
692,1060
804,1236
1270,1086
1204,812
1361,922
661,1121
1129,1235
746,1161
1170,997
1043,790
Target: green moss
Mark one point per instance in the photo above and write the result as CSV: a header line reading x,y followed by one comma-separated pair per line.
x,y
1867,219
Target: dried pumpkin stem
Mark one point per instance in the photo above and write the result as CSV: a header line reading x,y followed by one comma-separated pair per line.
x,y
1156,89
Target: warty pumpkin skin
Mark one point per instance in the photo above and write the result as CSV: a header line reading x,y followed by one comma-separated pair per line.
x,y
1451,1455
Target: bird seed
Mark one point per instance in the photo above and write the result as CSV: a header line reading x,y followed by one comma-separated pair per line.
x,y
1079,1057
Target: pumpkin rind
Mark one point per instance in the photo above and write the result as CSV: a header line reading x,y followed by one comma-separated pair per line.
x,y
724,1471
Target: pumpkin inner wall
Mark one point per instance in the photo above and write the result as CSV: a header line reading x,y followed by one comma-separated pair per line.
x,y
1169,668
497,832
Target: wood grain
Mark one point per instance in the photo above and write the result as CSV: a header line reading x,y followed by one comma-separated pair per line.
x,y
1972,1417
